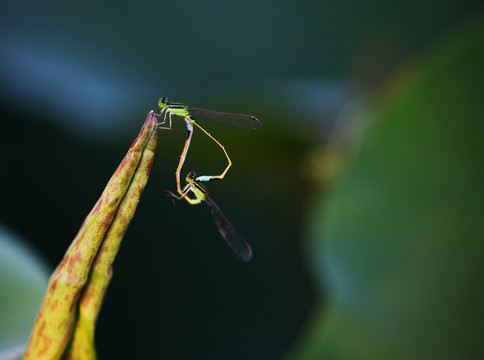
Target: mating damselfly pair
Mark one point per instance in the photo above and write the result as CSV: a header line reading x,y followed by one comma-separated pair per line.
x,y
193,191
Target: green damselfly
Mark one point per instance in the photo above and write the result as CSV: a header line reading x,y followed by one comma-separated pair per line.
x,y
190,116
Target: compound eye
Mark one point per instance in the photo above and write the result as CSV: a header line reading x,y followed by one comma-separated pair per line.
x,y
191,176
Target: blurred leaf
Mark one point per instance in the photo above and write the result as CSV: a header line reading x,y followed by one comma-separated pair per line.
x,y
23,279
399,241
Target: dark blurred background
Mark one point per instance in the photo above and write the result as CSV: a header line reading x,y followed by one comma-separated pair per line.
x,y
76,82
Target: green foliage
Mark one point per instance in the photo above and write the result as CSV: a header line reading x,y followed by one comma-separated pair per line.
x,y
23,280
399,241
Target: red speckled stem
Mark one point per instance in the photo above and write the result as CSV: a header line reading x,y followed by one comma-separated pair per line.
x,y
68,300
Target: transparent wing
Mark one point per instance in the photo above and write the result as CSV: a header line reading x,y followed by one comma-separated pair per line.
x,y
237,121
229,233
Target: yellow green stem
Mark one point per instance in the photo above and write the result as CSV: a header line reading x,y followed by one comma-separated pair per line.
x,y
68,303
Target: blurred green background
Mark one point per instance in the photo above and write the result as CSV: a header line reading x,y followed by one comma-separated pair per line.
x,y
361,195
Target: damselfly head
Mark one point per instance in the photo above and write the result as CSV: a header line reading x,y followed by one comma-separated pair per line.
x,y
163,102
191,177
